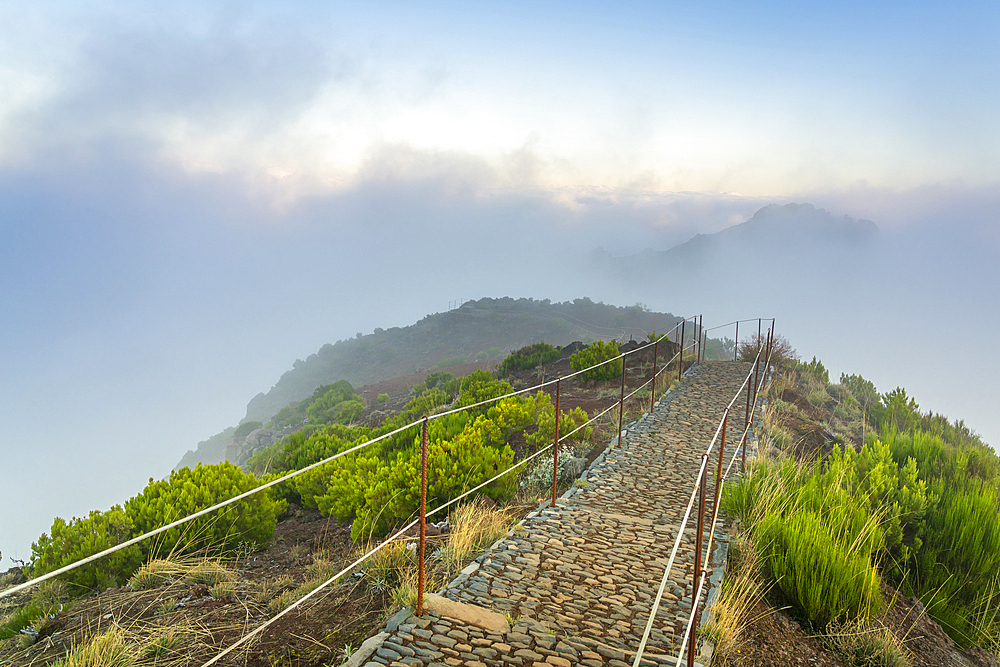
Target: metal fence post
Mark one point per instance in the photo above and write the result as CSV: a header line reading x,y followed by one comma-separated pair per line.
x,y
699,535
621,405
680,366
697,328
746,427
718,472
756,373
555,448
423,517
652,397
736,343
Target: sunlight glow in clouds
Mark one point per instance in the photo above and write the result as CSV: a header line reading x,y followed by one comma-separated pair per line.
x,y
719,99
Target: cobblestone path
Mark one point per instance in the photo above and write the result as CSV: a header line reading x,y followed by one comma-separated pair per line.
x,y
580,577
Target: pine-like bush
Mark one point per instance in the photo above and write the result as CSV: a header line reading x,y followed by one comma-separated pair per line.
x,y
528,356
187,491
69,542
593,357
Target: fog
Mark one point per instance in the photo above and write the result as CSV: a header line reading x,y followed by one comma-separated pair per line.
x,y
142,325
192,198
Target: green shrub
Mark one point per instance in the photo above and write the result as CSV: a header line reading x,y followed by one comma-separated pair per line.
x,y
69,542
814,368
379,493
864,392
955,553
593,355
187,491
25,616
481,386
529,356
822,576
336,403
383,398
544,414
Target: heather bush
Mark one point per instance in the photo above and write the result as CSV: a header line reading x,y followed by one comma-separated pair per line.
x,y
67,542
529,356
187,491
590,358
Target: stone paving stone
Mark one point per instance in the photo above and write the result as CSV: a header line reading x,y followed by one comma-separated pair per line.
x,y
580,577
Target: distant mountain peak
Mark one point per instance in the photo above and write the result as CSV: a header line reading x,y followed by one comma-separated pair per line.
x,y
798,218
776,231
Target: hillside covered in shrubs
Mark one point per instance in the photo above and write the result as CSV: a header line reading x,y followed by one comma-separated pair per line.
x,y
859,497
486,331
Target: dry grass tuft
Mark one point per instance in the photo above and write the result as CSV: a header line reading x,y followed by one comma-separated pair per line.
x,y
868,643
474,527
209,572
156,573
732,611
110,649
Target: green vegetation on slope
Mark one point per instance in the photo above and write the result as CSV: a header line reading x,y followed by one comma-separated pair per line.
x,y
378,487
593,358
891,494
528,356
161,502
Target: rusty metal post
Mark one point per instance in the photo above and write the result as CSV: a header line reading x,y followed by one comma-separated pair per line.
x,y
652,397
770,346
736,343
756,374
423,517
704,345
621,405
697,329
718,472
555,448
743,454
680,367
701,339
699,538
746,426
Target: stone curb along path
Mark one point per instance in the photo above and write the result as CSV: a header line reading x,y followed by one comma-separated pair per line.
x,y
579,579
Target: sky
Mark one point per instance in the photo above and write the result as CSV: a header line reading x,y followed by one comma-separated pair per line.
x,y
194,195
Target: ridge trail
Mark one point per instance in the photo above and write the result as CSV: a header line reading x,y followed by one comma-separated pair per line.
x,y
580,577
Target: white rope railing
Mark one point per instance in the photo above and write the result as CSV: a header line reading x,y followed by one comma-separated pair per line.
x,y
687,515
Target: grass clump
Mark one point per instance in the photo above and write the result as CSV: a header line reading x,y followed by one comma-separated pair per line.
x,y
867,644
267,589
156,573
822,529
110,649
474,527
529,356
825,577
23,617
732,611
210,573
165,644
389,566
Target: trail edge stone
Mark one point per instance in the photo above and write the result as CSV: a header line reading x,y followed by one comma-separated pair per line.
x,y
467,613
